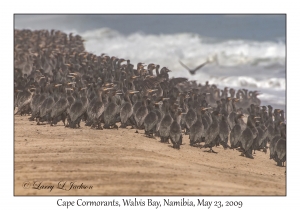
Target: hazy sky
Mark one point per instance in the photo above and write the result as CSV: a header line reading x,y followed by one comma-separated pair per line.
x,y
254,27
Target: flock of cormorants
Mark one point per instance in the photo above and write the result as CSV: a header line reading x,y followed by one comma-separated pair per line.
x,y
55,80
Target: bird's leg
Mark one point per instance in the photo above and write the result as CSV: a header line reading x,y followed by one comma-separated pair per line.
x,y
115,126
213,151
123,125
157,134
249,155
265,150
99,126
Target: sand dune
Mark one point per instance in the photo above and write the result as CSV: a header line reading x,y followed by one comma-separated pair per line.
x,y
122,162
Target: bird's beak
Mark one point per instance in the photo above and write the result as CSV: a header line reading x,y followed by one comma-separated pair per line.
x,y
133,92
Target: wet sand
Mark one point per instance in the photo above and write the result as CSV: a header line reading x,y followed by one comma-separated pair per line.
x,y
122,162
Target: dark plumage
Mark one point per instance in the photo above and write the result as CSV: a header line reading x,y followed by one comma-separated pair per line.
x,y
224,131
236,131
126,109
190,119
175,131
248,136
111,111
45,109
75,112
23,101
212,132
167,120
96,109
59,110
150,122
260,141
141,113
278,146
197,129
280,152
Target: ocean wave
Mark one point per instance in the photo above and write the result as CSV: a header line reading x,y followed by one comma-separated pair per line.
x,y
185,46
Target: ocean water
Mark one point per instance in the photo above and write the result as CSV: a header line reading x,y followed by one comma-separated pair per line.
x,y
244,51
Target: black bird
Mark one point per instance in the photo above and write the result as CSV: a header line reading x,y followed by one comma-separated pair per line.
x,y
272,146
159,115
34,103
237,131
76,111
193,71
111,111
150,121
190,119
141,113
23,100
126,109
38,102
137,102
46,106
232,114
248,136
59,110
167,120
224,130
212,132
260,141
175,131
96,108
280,150
197,129
278,146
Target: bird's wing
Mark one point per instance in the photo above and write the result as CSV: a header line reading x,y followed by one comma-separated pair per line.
x,y
200,66
184,66
194,70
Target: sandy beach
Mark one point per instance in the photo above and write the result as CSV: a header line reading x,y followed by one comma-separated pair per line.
x,y
62,161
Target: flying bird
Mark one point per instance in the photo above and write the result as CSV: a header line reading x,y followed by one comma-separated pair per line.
x,y
193,71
